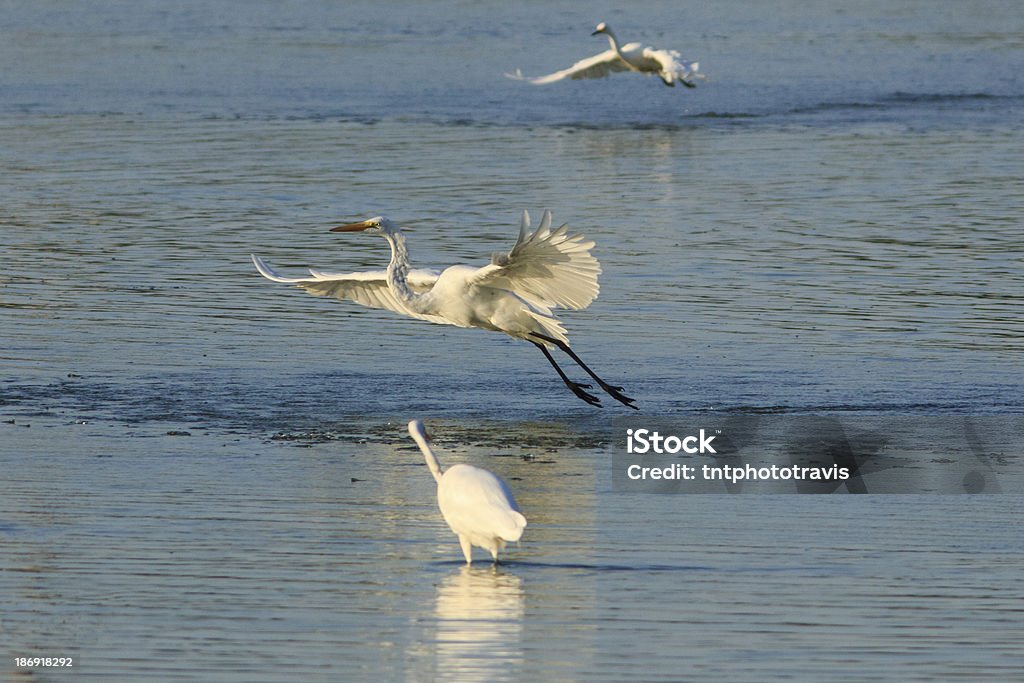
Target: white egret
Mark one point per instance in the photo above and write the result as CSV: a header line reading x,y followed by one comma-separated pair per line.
x,y
515,293
476,503
668,64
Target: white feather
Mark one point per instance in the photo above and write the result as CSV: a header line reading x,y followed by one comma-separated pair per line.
x,y
667,64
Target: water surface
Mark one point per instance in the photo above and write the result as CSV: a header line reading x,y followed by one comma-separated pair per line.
x,y
206,474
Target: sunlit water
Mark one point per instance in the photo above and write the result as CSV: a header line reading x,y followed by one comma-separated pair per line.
x,y
206,475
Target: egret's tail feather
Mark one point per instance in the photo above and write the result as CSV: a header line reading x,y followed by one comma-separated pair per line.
x,y
550,325
515,531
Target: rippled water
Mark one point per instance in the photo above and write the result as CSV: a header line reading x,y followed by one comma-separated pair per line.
x,y
206,474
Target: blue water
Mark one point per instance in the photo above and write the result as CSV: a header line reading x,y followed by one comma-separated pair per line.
x,y
204,475
411,62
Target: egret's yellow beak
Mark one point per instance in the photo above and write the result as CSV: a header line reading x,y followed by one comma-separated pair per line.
x,y
353,227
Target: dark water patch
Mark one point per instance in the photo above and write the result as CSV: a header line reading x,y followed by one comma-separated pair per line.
x,y
900,97
906,98
933,109
908,408
598,568
299,409
530,440
656,568
728,115
533,435
192,399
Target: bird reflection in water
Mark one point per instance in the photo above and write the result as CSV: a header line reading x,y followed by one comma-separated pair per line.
x,y
479,625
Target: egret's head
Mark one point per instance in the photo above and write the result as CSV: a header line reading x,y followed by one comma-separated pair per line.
x,y
600,28
416,428
376,225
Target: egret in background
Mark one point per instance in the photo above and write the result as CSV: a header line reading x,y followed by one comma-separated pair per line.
x,y
476,503
667,64
515,293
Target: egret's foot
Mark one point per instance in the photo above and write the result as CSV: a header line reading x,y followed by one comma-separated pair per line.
x,y
581,393
618,394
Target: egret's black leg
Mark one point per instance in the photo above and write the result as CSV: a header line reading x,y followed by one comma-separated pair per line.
x,y
613,391
574,387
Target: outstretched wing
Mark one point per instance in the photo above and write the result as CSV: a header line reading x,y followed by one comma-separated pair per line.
x,y
369,288
598,66
546,267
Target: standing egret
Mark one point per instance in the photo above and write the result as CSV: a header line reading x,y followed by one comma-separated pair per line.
x,y
476,503
631,57
513,294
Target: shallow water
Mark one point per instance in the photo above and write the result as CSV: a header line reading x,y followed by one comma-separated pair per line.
x,y
204,473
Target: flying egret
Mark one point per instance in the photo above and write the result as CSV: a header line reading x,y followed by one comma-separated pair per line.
x,y
476,503
631,57
515,293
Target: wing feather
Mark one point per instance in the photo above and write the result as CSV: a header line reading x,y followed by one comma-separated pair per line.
x,y
598,66
548,268
369,288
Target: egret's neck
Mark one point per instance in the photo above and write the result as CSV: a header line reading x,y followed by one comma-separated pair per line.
x,y
428,455
398,272
614,43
